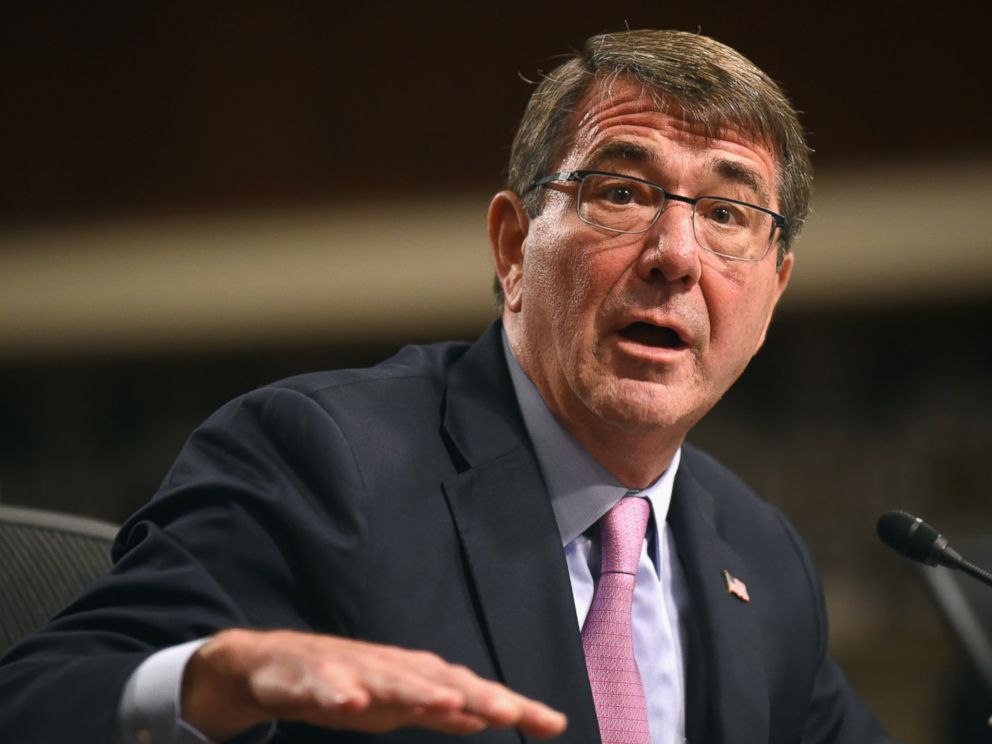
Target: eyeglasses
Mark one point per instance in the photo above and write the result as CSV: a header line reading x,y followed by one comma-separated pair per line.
x,y
625,204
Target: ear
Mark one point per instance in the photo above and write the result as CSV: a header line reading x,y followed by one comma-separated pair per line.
x,y
508,224
781,282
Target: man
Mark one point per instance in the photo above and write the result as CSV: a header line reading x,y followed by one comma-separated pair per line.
x,y
523,509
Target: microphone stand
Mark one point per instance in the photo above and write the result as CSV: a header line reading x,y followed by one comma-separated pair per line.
x,y
974,571
959,613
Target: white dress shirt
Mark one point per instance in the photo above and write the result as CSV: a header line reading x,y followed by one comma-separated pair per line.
x,y
581,492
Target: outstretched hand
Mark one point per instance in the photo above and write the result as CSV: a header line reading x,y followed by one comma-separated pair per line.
x,y
241,678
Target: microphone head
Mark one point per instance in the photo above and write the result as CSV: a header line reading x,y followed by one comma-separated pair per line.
x,y
910,536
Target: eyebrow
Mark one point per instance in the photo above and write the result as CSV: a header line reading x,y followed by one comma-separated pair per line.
x,y
741,174
620,150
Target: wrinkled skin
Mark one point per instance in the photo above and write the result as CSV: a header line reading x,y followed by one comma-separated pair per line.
x,y
630,393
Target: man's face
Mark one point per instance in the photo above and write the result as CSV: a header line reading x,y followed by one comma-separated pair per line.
x,y
640,333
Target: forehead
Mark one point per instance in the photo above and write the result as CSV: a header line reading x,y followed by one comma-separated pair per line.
x,y
622,112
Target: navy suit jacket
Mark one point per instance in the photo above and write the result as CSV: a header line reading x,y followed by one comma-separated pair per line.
x,y
403,504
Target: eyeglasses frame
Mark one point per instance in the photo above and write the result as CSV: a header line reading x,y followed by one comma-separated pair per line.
x,y
578,176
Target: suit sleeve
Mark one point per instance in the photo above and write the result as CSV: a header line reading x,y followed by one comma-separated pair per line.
x,y
837,715
266,484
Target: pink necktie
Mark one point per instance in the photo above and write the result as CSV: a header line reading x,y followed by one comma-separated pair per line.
x,y
607,637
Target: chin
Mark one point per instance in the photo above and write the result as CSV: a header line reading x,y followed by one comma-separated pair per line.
x,y
640,407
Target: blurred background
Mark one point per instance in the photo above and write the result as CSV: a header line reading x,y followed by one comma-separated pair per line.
x,y
200,198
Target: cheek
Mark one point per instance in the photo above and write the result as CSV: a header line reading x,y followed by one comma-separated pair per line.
x,y
556,276
727,274
588,289
738,311
572,272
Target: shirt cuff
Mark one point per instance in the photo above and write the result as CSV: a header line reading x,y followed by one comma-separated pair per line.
x,y
149,708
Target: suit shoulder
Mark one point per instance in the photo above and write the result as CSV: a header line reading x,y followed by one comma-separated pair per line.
x,y
715,476
738,509
757,531
412,362
404,387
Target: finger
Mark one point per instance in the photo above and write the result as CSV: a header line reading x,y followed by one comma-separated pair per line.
x,y
537,719
449,722
405,687
503,707
499,706
394,695
419,689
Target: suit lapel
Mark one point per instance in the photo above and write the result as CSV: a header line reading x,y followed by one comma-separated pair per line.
x,y
507,528
727,689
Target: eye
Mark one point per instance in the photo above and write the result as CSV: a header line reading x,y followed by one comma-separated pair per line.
x,y
722,215
616,191
620,195
618,203
726,214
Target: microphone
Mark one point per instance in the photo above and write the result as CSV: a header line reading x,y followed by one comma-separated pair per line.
x,y
914,538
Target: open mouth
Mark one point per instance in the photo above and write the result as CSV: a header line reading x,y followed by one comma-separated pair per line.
x,y
659,337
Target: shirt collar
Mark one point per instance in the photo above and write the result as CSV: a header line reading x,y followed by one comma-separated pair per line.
x,y
581,489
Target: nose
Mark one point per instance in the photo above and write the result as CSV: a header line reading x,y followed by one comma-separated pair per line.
x,y
670,252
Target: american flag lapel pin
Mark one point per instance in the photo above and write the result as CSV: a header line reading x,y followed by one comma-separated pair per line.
x,y
736,587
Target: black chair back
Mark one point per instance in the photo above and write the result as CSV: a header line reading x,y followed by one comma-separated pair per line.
x,y
46,559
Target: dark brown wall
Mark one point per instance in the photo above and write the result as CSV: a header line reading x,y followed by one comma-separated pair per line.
x,y
121,107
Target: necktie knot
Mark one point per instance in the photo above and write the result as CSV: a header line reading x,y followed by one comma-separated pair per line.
x,y
621,535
